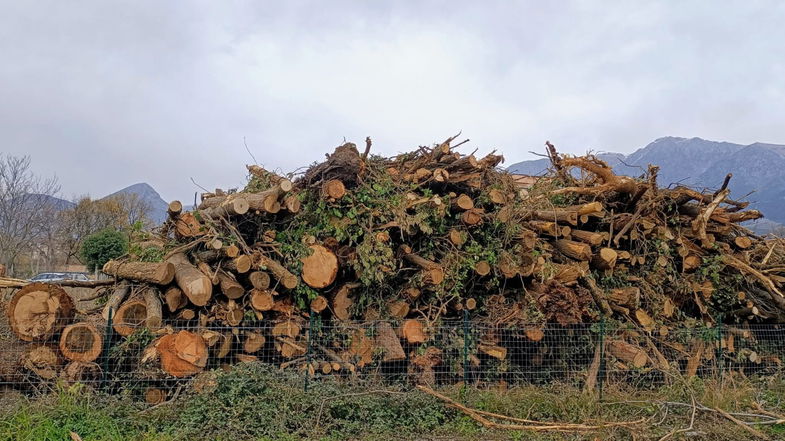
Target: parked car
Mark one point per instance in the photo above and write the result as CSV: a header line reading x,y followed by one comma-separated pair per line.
x,y
59,277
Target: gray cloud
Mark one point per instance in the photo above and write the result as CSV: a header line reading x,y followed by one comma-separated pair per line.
x,y
105,94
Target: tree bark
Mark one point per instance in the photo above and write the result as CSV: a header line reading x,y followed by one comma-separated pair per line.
x,y
195,285
151,272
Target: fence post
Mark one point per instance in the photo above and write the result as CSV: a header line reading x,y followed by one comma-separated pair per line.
x,y
601,374
718,355
308,350
465,347
107,344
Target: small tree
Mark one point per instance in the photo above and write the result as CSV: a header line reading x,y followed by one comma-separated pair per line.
x,y
103,246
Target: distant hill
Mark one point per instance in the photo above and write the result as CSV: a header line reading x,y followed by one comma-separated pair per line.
x,y
144,190
147,194
701,163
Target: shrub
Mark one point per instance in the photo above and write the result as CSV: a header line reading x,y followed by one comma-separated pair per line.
x,y
100,247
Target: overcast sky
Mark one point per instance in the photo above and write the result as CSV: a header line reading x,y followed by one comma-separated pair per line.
x,y
106,94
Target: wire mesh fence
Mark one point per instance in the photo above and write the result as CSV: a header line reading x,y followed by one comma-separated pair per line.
x,y
127,358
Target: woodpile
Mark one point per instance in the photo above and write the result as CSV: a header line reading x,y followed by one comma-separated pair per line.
x,y
412,240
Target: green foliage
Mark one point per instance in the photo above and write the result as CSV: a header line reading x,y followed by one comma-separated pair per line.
x,y
102,247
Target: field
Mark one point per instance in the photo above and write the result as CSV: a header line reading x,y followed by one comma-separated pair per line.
x,y
253,402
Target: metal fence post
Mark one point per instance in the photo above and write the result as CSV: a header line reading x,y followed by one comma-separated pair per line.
x,y
601,374
718,355
107,345
308,351
465,347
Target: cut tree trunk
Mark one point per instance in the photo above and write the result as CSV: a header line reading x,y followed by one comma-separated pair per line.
x,y
229,285
590,237
567,216
195,285
628,353
262,300
159,273
175,299
115,299
254,341
154,395
78,372
389,343
605,259
319,268
240,264
412,330
318,304
433,273
284,277
129,317
154,317
573,249
259,279
234,205
38,311
81,342
463,202
182,354
333,190
342,301
187,226
42,360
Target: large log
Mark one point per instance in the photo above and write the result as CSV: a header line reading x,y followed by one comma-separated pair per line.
x,y
573,249
389,343
117,297
320,267
129,317
195,285
284,277
605,259
628,353
229,285
38,311
159,273
154,310
81,342
182,354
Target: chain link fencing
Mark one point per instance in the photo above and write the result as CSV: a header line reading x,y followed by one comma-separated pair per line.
x,y
123,359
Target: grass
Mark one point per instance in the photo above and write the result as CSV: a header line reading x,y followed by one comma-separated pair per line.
x,y
255,403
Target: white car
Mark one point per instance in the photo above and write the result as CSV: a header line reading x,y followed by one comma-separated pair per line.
x,y
59,277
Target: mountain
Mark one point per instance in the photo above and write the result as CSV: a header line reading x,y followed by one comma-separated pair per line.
x,y
756,168
57,203
148,195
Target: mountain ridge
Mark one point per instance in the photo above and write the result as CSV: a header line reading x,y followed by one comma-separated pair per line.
x,y
700,163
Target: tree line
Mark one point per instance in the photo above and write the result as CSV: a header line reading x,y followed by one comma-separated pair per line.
x,y
39,232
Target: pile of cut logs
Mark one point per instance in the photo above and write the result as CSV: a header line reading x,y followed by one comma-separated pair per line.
x,y
411,241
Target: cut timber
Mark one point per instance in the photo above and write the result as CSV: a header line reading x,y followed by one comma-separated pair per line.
x,y
318,304
389,343
456,237
254,341
78,372
182,354
152,272
284,277
240,264
175,208
433,273
208,272
498,352
81,342
398,308
229,286
343,301
234,205
175,299
187,225
267,201
691,262
152,299
550,228
567,216
628,353
154,395
119,294
195,285
743,242
38,311
130,316
259,279
629,297
412,330
573,249
463,202
42,360
534,334
482,268
292,204
472,216
231,251
286,328
589,237
319,268
605,259
497,196
471,304
333,189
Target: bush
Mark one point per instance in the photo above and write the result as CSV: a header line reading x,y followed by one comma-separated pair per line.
x,y
101,247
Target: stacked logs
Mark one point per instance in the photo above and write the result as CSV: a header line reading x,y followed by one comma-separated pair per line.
x,y
418,238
